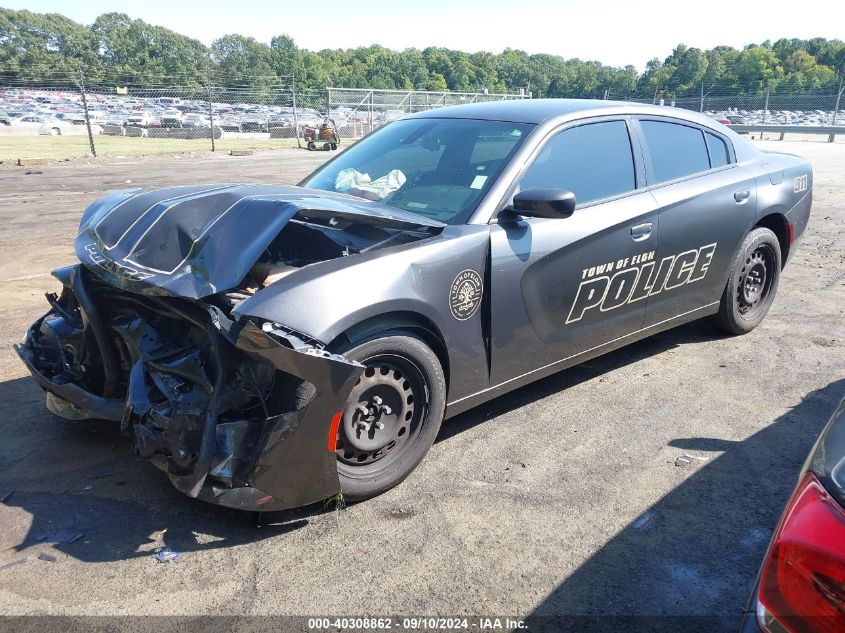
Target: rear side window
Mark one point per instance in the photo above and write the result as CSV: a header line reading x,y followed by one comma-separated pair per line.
x,y
718,150
676,150
594,161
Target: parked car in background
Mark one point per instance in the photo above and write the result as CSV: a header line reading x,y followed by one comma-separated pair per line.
x,y
117,119
75,118
280,121
29,121
139,119
171,118
192,119
53,128
228,123
801,584
39,124
254,123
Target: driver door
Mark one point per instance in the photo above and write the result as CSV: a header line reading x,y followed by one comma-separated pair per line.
x,y
562,287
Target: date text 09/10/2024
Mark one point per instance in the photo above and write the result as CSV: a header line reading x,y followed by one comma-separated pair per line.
x,y
421,623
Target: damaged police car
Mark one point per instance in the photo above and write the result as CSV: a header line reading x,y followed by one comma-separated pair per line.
x,y
272,346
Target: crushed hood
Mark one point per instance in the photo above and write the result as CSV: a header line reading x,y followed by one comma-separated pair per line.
x,y
194,241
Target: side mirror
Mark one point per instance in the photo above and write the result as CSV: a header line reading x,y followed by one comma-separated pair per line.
x,y
543,203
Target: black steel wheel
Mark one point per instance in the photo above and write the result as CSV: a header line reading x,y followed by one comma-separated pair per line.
x,y
752,283
392,415
755,281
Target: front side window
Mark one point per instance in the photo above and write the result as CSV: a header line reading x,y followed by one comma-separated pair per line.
x,y
594,161
676,150
438,168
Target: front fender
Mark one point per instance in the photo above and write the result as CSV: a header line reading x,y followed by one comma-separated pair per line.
x,y
324,300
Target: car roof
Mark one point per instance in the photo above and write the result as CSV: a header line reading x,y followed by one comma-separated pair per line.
x,y
541,110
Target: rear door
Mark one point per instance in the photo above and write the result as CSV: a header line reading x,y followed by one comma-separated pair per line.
x,y
706,203
564,286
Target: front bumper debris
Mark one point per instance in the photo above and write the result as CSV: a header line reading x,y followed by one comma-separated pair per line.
x,y
207,400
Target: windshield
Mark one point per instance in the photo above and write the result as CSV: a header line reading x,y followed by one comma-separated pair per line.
x,y
439,168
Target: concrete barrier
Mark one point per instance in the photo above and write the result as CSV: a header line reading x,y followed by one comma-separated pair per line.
x,y
183,132
282,132
829,130
112,130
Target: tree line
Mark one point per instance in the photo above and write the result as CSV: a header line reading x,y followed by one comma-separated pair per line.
x,y
118,50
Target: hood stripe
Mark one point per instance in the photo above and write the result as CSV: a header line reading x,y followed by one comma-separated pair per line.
x,y
191,249
141,216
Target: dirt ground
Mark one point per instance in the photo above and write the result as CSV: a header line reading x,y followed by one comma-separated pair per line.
x,y
561,499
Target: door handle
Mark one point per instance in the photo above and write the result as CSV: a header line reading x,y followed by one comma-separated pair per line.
x,y
641,231
742,195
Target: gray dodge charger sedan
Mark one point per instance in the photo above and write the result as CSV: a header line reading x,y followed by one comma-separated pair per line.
x,y
271,346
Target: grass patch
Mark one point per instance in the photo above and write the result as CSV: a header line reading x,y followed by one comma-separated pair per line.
x,y
66,147
339,503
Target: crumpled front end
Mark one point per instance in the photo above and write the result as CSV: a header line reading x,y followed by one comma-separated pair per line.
x,y
238,413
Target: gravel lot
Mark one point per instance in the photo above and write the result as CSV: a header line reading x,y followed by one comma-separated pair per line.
x,y
563,498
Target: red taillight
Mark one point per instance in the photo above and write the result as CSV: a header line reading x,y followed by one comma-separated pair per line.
x,y
791,232
803,580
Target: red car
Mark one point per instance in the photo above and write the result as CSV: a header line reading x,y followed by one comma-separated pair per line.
x,y
801,584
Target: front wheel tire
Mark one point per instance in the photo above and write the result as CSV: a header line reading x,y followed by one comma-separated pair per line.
x,y
393,413
752,283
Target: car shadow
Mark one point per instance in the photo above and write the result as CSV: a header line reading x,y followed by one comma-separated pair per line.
x,y
689,561
689,333
90,497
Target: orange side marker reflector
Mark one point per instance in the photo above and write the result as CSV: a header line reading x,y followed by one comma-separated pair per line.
x,y
333,431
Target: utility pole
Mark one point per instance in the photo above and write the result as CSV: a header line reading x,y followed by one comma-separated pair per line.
x,y
836,108
210,111
766,108
295,119
371,108
81,84
701,105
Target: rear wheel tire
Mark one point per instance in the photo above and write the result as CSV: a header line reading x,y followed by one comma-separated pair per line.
x,y
393,413
752,283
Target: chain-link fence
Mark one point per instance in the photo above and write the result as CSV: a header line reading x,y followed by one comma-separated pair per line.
x,y
68,116
358,111
785,104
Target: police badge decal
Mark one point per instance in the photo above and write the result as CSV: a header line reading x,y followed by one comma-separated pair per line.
x,y
465,294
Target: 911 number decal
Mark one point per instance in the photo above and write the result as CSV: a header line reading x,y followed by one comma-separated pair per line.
x,y
636,278
801,184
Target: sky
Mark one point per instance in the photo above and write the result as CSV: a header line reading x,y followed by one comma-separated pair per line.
x,y
612,32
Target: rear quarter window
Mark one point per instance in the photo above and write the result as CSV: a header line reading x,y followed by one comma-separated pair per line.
x,y
718,149
676,150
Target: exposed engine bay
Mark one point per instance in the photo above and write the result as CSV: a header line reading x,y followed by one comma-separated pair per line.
x,y
302,243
